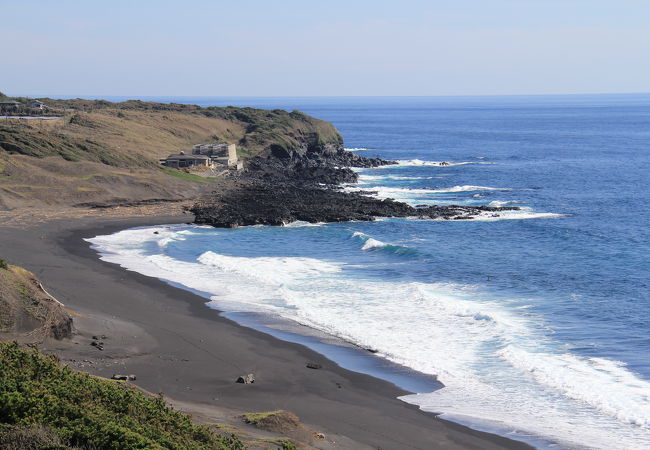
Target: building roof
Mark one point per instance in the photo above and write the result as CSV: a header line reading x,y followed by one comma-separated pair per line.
x,y
9,102
179,156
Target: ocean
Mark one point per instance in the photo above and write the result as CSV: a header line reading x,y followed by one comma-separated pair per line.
x,y
535,321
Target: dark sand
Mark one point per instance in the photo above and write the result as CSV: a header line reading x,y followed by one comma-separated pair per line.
x,y
176,345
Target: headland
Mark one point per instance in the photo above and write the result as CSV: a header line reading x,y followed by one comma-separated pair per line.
x,y
62,184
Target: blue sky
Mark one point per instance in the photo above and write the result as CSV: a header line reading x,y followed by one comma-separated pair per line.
x,y
328,48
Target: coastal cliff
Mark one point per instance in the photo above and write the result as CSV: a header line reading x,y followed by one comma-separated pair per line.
x,y
98,153
27,312
95,151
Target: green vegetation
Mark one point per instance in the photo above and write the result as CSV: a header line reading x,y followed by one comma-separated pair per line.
x,y
171,124
256,418
72,160
29,141
184,175
288,445
42,401
3,264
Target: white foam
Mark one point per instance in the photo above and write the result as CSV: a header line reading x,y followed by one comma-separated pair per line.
x,y
357,149
469,188
493,216
427,197
364,178
584,379
523,213
373,243
370,243
398,190
494,357
419,162
419,195
302,223
497,203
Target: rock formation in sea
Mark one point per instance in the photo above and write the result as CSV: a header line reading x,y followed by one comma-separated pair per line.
x,y
279,201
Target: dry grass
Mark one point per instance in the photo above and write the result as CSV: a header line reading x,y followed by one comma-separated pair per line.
x,y
109,152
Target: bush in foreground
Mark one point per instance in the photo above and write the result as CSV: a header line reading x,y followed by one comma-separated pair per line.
x,y
37,394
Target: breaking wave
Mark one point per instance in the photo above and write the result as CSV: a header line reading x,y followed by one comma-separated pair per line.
x,y
493,357
419,162
364,178
372,244
468,188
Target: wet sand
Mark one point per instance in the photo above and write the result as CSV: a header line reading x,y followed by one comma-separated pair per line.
x,y
174,344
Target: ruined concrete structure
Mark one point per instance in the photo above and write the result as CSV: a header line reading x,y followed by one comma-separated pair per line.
x,y
225,154
206,155
179,160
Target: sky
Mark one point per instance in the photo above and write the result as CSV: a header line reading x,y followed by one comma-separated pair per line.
x,y
323,48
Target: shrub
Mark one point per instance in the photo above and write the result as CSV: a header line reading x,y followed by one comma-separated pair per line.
x,y
288,445
29,437
38,394
3,264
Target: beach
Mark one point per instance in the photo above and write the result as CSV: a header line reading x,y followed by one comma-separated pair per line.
x,y
174,344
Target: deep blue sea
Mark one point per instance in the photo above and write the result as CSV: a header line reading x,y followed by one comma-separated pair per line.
x,y
536,321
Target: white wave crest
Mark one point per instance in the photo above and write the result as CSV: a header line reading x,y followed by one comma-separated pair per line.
x,y
524,213
373,243
416,195
468,188
419,162
497,203
584,379
357,149
302,223
364,178
478,347
370,243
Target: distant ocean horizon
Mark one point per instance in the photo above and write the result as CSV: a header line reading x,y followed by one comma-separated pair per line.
x,y
535,320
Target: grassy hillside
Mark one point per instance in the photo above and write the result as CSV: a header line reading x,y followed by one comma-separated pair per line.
x,y
46,405
145,131
99,151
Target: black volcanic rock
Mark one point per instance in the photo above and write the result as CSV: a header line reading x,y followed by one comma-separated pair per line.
x,y
327,164
285,184
279,201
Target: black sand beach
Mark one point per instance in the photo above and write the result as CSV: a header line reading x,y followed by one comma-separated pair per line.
x,y
176,345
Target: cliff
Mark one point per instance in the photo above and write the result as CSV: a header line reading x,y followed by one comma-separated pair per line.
x,y
27,312
100,151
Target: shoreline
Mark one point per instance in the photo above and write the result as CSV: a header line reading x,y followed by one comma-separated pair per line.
x,y
175,344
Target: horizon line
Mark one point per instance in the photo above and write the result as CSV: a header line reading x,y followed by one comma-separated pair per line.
x,y
136,97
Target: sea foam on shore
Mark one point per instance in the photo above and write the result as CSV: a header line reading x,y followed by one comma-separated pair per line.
x,y
498,366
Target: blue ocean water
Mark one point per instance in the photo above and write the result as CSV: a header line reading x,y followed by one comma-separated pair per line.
x,y
535,320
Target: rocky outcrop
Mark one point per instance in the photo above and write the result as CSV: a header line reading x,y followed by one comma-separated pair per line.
x,y
328,164
246,379
307,171
281,201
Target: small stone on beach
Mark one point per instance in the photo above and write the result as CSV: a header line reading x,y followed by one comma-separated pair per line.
x,y
123,377
246,379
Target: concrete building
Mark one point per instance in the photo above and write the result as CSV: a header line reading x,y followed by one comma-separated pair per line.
x,y
35,104
224,154
180,160
10,105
